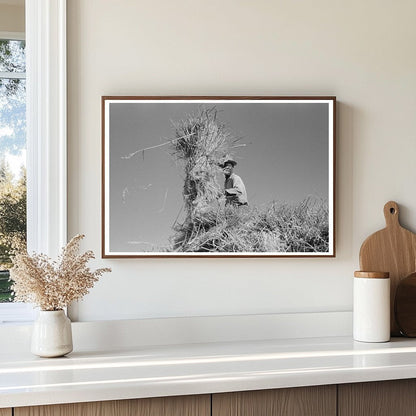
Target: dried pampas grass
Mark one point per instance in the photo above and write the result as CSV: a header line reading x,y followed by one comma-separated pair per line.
x,y
53,285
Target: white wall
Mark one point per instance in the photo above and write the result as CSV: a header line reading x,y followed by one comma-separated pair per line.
x,y
361,51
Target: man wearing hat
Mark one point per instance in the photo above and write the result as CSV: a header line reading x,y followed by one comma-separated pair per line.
x,y
235,191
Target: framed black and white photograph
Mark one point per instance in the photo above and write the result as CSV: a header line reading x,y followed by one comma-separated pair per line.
x,y
218,176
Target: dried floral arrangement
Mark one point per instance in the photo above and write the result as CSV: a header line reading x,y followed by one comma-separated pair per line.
x,y
53,285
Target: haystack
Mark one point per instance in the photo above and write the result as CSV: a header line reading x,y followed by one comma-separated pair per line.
x,y
201,143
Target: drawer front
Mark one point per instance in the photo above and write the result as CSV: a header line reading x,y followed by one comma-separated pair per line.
x,y
163,406
300,401
381,398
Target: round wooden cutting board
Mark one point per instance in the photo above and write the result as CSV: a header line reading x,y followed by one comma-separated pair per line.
x,y
405,306
393,250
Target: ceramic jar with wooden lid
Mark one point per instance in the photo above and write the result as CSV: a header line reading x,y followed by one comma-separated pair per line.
x,y
371,309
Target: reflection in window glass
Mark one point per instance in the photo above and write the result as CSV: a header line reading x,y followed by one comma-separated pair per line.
x,y
12,156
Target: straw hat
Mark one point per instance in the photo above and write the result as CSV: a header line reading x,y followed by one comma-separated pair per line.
x,y
228,160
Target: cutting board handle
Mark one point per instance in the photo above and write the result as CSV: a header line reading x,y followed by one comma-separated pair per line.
x,y
391,214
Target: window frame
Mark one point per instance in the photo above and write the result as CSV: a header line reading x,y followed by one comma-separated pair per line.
x,y
46,125
46,138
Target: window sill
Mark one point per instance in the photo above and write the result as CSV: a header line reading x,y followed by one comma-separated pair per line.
x,y
16,313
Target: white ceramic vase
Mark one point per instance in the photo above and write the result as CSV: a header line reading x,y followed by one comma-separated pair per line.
x,y
52,334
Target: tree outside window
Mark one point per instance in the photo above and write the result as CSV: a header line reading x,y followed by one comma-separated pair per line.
x,y
12,156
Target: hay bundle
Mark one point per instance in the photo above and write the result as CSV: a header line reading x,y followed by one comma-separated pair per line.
x,y
201,143
275,227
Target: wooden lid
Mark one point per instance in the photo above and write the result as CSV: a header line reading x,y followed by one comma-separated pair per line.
x,y
372,275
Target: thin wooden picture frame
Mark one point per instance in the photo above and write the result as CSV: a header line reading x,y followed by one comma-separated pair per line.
x,y
167,190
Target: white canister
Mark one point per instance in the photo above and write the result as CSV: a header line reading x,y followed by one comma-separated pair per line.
x,y
371,322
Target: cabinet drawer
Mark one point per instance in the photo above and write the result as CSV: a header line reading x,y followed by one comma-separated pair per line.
x,y
300,401
163,406
381,398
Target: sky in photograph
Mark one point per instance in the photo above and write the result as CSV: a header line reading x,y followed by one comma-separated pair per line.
x,y
285,159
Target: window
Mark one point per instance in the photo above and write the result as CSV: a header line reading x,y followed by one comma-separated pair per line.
x,y
12,153
46,135
12,165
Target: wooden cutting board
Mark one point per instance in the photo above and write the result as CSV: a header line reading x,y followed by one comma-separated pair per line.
x,y
393,250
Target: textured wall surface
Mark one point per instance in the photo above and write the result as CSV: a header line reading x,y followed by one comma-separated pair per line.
x,y
362,52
